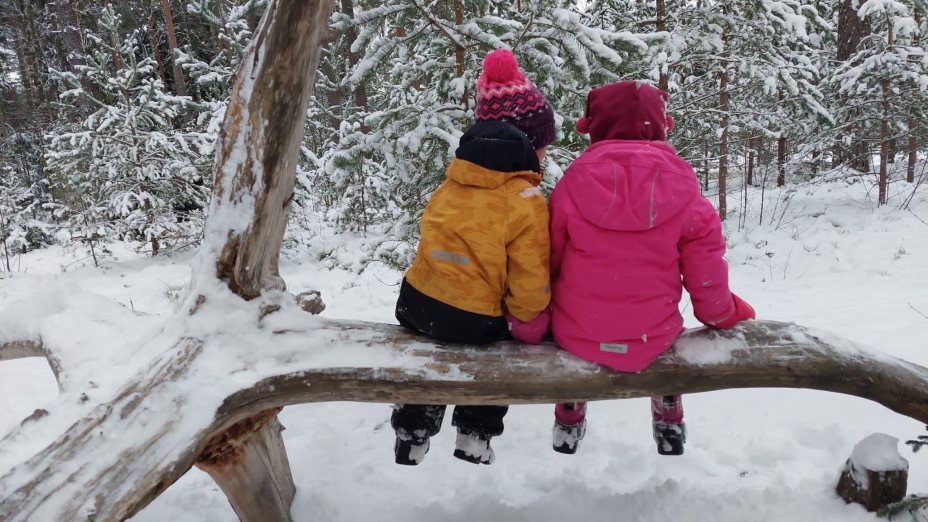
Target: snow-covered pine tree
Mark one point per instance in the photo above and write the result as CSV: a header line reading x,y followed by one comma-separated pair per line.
x,y
419,61
886,78
129,170
730,90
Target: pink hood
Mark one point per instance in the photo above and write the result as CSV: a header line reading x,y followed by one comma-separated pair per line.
x,y
631,185
628,227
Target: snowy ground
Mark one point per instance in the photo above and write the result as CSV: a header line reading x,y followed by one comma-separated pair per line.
x,y
826,260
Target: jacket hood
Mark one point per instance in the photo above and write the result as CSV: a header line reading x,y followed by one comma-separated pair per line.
x,y
497,145
630,185
492,152
467,173
626,110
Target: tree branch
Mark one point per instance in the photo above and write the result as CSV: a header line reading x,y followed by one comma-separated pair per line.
x,y
89,468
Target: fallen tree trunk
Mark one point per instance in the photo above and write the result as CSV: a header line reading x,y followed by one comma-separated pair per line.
x,y
21,349
74,479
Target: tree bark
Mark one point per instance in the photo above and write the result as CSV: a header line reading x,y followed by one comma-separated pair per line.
x,y
90,468
884,142
459,51
851,31
884,126
260,140
662,26
912,124
360,90
913,151
74,49
724,108
153,41
781,161
249,463
180,86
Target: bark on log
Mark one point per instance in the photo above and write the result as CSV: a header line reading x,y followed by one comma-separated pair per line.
x,y
249,463
29,348
253,188
875,475
63,482
260,142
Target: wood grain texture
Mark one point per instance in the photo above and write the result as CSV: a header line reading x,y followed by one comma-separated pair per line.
x,y
756,354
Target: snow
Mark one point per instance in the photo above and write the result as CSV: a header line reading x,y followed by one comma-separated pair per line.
x,y
715,350
827,260
879,452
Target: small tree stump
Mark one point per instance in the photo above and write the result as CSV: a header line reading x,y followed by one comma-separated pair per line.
x,y
249,463
876,475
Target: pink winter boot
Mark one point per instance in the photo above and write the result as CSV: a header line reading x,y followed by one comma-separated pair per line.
x,y
667,423
569,426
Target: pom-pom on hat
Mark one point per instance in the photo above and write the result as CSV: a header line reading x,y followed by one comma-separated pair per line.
x,y
627,110
504,93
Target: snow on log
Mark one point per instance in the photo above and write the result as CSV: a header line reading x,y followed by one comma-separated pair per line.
x,y
110,464
20,349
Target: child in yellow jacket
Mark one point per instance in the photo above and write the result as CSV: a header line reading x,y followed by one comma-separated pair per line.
x,y
481,269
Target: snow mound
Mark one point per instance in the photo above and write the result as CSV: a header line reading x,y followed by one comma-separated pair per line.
x,y
879,452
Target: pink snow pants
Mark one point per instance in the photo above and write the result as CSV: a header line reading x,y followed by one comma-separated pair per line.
x,y
667,409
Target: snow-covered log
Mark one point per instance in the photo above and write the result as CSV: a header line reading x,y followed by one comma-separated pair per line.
x,y
21,348
253,187
80,476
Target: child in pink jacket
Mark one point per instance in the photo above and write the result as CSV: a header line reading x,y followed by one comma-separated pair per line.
x,y
630,229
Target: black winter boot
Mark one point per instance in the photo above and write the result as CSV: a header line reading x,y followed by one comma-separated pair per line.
x,y
566,437
670,438
410,452
473,448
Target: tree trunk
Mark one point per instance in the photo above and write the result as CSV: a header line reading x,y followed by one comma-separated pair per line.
x,y
117,57
751,152
884,143
360,91
74,49
781,161
913,151
851,31
459,51
249,463
726,120
662,26
153,41
180,86
91,467
884,127
912,124
705,168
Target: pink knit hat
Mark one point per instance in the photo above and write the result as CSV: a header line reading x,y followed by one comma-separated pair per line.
x,y
504,93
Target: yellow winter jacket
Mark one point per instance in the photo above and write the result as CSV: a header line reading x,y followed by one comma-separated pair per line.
x,y
484,242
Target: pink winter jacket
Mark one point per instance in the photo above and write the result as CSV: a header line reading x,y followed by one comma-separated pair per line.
x,y
629,229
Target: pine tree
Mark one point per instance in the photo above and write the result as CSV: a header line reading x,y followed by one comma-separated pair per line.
x,y
882,79
125,172
379,161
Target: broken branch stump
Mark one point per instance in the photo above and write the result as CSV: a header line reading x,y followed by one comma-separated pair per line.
x,y
876,475
249,463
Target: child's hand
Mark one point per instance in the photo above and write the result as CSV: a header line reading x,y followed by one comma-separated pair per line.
x,y
743,312
531,332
